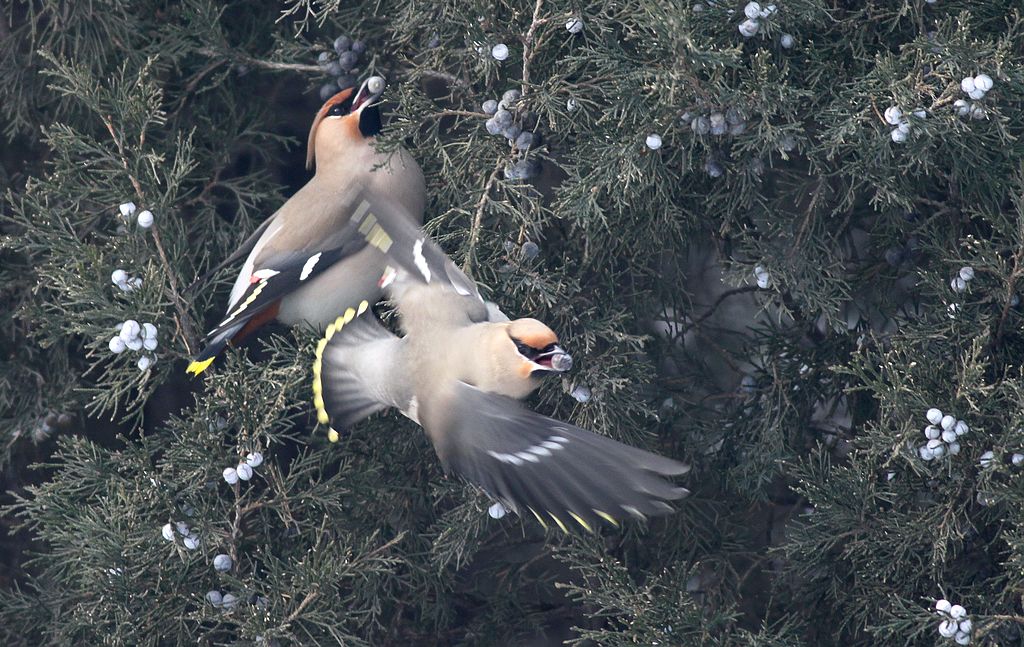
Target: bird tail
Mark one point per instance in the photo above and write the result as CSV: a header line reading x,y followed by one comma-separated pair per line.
x,y
354,370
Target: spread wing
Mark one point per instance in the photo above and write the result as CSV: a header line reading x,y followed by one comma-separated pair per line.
x,y
556,470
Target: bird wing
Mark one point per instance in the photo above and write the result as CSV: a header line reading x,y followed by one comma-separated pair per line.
x,y
241,252
281,269
554,469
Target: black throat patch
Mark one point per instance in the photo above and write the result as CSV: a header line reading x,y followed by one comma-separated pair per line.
x,y
369,121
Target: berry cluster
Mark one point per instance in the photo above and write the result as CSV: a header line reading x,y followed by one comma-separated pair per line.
x,y
341,64
895,117
127,283
502,122
974,87
226,601
717,123
144,219
943,435
959,282
47,425
955,623
754,13
190,539
244,470
133,336
529,250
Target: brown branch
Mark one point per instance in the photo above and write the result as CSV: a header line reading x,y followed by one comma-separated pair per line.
x,y
267,65
474,231
528,42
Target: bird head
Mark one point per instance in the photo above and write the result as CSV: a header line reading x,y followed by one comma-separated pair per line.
x,y
536,350
348,118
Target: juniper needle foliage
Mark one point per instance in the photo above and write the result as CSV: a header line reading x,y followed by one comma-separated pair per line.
x,y
775,237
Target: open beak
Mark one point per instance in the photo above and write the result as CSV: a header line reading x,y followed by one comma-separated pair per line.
x,y
556,360
371,90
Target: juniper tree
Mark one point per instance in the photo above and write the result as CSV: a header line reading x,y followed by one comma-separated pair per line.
x,y
775,238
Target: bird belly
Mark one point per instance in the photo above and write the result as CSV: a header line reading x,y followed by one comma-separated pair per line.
x,y
343,285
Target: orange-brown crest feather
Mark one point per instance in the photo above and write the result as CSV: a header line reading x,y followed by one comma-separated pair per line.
x,y
532,333
311,145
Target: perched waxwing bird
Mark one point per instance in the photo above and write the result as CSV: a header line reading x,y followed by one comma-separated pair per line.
x,y
296,269
458,370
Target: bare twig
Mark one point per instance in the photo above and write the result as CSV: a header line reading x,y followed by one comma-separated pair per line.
x,y
474,231
256,62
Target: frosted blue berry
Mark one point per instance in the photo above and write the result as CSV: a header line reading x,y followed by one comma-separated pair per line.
x,y
713,168
230,475
525,140
119,277
748,28
1017,459
949,436
931,432
976,94
571,105
254,459
967,273
983,82
984,461
168,532
333,68
358,47
752,10
509,97
787,41
492,126
893,115
530,249
581,393
126,209
574,25
324,59
243,471
214,598
511,132
947,422
490,107
762,277
191,542
347,61
701,126
345,81
947,628
117,345
144,363
496,511
229,601
222,562
341,44
898,136
653,141
967,84
962,107
503,118
957,284
499,52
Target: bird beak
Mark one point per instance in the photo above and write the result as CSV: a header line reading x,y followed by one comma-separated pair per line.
x,y
371,90
556,360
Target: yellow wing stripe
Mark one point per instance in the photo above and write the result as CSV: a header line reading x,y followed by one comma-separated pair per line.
x,y
318,365
539,518
607,517
579,520
559,522
195,368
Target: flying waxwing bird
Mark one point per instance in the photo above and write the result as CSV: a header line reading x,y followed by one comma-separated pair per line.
x,y
295,270
458,371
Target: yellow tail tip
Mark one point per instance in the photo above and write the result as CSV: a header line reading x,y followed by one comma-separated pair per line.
x,y
195,368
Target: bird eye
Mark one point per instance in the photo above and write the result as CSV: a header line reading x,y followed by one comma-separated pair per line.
x,y
340,109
